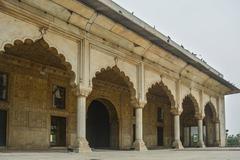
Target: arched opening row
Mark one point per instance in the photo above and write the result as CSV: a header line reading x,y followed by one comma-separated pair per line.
x,y
43,100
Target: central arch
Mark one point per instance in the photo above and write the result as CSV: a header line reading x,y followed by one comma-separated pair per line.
x,y
157,117
209,125
102,124
189,124
116,93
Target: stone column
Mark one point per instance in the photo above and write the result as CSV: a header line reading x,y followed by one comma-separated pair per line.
x,y
82,143
139,144
217,132
177,141
200,133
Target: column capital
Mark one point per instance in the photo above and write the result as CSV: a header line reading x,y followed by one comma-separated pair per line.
x,y
217,120
199,116
139,103
176,110
82,91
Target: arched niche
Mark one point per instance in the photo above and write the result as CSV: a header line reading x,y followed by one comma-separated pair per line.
x,y
39,52
114,75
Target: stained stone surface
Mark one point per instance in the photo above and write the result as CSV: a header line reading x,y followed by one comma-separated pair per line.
x,y
211,154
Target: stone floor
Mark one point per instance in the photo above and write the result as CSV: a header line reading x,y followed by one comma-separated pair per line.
x,y
188,154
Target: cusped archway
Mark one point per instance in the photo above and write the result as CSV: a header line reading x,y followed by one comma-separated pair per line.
x,y
113,75
40,84
102,118
209,127
188,121
157,117
112,84
38,52
161,90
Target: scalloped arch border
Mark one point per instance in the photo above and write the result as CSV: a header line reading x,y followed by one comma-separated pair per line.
x,y
166,90
126,79
195,103
46,46
213,109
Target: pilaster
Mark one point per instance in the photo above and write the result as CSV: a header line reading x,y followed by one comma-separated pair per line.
x,y
82,143
176,111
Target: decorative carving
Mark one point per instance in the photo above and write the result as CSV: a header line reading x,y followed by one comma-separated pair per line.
x,y
123,76
176,110
139,103
195,103
82,91
199,116
165,89
32,50
213,110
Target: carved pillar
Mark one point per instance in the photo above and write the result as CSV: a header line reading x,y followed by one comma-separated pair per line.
x,y
176,111
177,141
139,144
82,143
200,117
200,132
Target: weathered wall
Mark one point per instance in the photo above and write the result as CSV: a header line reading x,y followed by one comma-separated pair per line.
x,y
150,123
100,57
12,29
30,106
119,97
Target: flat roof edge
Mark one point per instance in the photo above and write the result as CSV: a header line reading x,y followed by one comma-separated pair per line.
x,y
125,18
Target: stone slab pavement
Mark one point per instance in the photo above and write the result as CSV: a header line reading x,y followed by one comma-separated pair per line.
x,y
166,154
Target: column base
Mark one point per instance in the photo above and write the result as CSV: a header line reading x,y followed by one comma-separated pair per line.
x,y
82,146
177,144
139,145
217,143
201,144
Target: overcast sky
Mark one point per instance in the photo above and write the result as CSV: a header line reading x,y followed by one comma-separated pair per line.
x,y
209,28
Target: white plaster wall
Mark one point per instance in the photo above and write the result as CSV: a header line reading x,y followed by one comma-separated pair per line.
x,y
184,91
151,77
222,121
206,99
12,29
171,86
68,48
196,94
100,59
130,70
214,102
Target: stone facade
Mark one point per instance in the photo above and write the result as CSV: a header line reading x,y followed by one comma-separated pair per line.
x,y
66,43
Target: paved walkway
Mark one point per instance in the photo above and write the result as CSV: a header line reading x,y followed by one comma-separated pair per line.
x,y
188,154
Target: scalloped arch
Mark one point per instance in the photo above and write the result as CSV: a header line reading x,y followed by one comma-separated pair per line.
x,y
195,103
166,90
212,108
28,43
125,78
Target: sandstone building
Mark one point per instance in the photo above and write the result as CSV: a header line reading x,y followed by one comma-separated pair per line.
x,y
88,74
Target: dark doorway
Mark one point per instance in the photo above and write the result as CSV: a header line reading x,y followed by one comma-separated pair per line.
x,y
160,136
58,131
3,127
98,125
134,132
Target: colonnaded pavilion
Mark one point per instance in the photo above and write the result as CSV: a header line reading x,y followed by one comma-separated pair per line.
x,y
85,74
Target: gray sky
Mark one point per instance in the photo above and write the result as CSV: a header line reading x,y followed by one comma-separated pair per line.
x,y
209,28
